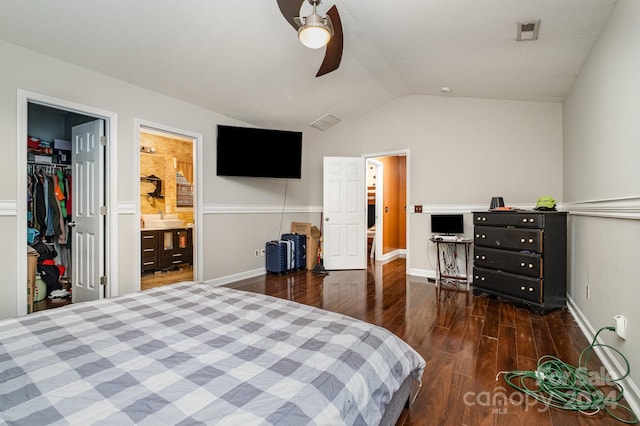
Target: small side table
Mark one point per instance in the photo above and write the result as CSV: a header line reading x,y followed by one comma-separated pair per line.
x,y
444,266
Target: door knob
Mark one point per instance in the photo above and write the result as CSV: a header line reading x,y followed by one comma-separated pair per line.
x,y
71,224
326,219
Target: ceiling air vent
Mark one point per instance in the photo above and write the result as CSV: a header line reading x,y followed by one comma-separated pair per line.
x,y
325,122
528,30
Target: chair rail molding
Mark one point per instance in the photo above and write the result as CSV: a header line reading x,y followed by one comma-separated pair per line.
x,y
615,208
8,208
209,209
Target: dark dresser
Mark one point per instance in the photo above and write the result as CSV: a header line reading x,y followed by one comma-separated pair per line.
x,y
521,256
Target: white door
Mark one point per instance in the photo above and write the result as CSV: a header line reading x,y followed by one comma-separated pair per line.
x,y
88,198
344,238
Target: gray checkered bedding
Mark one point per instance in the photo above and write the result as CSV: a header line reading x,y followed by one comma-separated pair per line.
x,y
191,353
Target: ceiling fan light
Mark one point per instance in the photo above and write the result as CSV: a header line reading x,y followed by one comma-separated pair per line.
x,y
315,33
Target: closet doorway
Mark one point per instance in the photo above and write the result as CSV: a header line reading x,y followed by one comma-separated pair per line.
x,y
167,205
65,179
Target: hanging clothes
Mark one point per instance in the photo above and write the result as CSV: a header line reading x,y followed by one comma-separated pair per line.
x,y
54,213
67,177
40,208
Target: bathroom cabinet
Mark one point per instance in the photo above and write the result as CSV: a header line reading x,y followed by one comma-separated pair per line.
x,y
166,249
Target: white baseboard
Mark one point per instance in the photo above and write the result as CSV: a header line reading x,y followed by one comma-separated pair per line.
x,y
427,273
630,389
236,277
392,255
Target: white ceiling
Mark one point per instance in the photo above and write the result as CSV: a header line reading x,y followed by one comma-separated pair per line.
x,y
242,59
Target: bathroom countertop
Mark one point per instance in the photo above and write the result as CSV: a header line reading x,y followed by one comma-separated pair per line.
x,y
150,228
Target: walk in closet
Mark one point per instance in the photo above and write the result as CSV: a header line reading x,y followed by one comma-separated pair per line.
x,y
50,215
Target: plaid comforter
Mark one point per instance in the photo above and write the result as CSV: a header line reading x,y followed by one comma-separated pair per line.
x,y
191,353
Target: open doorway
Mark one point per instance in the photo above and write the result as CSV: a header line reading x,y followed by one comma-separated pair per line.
x,y
387,205
167,206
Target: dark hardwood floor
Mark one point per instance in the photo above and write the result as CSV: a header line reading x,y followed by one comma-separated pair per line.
x,y
465,340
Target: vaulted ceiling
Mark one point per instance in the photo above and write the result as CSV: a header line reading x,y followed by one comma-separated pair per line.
x,y
242,59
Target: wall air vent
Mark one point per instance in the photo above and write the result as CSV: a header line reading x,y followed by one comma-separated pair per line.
x,y
325,122
528,30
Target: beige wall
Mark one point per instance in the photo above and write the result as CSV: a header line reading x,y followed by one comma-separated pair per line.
x,y
462,152
602,183
222,198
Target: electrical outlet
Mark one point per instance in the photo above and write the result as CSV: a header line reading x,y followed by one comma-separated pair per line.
x,y
257,253
262,252
417,209
620,323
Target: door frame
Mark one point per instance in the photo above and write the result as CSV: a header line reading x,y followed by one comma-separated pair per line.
x,y
198,264
379,187
111,181
377,254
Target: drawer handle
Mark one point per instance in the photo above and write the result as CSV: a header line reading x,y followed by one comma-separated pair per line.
x,y
482,279
531,220
522,288
531,240
524,220
148,250
147,237
148,263
530,265
522,240
176,262
177,255
530,288
483,236
484,257
522,264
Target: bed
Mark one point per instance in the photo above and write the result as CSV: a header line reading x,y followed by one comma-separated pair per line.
x,y
191,353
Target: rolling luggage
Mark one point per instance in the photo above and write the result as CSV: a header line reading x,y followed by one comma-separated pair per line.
x,y
299,249
276,257
288,254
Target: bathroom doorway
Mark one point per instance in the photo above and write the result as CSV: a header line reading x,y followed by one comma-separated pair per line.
x,y
167,206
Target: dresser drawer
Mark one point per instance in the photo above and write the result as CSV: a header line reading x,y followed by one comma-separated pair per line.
x,y
529,264
519,220
509,238
525,288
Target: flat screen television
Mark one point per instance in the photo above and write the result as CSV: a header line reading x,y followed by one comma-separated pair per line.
x,y
447,224
255,152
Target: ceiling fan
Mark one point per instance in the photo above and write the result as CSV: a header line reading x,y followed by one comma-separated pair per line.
x,y
315,31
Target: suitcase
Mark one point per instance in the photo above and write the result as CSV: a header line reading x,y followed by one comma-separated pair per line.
x,y
288,254
276,257
299,249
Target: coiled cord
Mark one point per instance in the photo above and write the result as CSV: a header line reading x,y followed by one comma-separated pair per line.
x,y
561,385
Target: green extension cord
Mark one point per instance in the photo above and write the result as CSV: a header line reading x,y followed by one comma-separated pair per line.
x,y
560,385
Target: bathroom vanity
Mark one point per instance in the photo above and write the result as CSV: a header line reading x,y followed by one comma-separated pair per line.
x,y
164,249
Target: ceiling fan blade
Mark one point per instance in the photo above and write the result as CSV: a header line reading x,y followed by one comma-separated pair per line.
x,y
333,54
290,9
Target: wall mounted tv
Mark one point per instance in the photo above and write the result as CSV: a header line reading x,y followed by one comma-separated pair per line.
x,y
254,152
447,224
